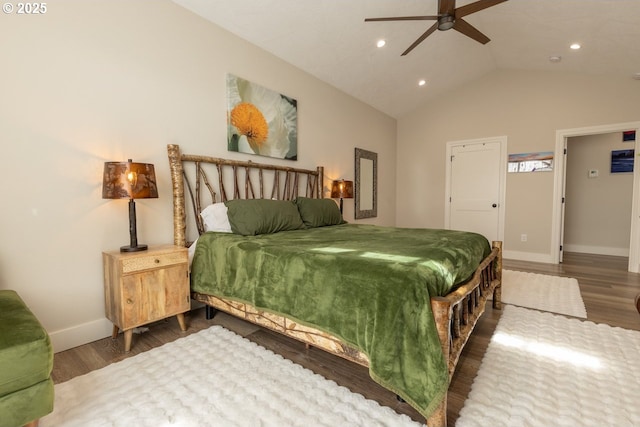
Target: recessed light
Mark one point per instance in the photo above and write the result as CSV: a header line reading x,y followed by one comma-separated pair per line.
x,y
555,58
575,46
422,82
381,43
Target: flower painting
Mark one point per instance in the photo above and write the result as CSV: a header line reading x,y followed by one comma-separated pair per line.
x,y
261,121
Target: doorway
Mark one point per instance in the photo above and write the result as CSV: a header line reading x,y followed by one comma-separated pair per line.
x,y
598,198
557,232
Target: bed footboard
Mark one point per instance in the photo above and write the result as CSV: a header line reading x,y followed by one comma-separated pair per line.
x,y
457,313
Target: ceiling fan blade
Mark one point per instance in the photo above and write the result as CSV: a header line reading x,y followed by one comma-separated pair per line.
x,y
403,18
446,7
475,7
421,38
470,31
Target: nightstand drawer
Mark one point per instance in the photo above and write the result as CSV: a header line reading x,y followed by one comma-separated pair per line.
x,y
135,264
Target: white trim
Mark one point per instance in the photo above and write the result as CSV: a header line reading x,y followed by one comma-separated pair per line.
x,y
600,250
81,334
558,184
503,178
527,256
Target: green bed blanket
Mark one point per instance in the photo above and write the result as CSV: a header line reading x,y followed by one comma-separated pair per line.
x,y
366,284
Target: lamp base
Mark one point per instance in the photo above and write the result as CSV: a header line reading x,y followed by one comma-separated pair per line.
x,y
133,248
133,235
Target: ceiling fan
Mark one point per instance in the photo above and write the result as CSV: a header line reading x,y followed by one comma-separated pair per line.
x,y
449,16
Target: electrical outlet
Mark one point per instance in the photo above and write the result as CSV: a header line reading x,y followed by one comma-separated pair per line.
x,y
523,237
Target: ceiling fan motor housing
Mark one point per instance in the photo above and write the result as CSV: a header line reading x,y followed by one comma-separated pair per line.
x,y
446,22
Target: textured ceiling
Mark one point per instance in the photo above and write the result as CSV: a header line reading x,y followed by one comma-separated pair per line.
x,y
330,40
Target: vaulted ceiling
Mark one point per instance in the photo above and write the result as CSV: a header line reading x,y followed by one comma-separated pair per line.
x,y
330,40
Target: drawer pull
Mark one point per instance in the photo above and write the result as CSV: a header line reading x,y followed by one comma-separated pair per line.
x,y
129,301
157,261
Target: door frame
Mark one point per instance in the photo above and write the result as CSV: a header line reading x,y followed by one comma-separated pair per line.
x,y
559,180
502,174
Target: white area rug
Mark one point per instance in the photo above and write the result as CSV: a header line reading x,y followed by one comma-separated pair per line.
x,y
543,292
542,369
212,378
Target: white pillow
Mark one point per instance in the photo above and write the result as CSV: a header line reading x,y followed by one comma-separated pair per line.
x,y
214,218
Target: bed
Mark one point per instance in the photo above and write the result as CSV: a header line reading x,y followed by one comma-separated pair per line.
x,y
402,302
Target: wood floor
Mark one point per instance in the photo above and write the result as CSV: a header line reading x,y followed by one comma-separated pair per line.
x,y
607,288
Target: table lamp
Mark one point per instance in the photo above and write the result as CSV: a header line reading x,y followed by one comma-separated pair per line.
x,y
128,180
341,189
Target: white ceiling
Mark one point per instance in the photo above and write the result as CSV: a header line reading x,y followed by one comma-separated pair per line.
x,y
330,40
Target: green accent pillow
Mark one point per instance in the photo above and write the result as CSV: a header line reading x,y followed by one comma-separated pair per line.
x,y
251,217
319,212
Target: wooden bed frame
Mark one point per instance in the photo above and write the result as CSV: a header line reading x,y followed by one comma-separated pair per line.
x,y
206,180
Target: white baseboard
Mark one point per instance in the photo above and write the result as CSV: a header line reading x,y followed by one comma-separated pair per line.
x,y
527,256
75,336
599,250
80,334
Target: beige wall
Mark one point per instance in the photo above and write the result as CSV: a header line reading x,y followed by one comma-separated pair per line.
x,y
105,80
526,106
597,209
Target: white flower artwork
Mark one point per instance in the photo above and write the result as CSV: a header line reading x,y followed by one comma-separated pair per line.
x,y
261,121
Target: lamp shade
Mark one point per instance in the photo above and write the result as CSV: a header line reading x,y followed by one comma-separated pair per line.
x,y
128,180
342,189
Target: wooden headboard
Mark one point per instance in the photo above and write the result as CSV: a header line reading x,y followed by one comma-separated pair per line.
x,y
206,180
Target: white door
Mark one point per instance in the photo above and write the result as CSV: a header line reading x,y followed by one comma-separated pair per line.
x,y
476,177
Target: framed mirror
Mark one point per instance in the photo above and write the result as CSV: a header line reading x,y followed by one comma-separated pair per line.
x,y
366,192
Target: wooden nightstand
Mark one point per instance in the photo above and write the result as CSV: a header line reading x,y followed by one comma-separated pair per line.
x,y
142,287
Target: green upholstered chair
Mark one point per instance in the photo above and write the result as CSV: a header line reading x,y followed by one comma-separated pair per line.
x,y
26,361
